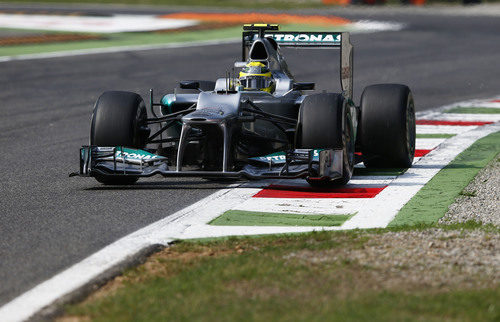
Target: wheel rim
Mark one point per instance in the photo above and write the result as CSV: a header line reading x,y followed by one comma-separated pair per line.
x,y
410,129
141,127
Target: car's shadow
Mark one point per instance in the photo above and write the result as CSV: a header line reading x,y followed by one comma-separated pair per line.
x,y
173,185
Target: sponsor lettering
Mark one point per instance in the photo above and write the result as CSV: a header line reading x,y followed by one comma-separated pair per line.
x,y
281,158
274,158
136,156
310,38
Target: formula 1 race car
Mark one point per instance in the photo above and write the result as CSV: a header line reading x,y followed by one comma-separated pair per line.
x,y
257,125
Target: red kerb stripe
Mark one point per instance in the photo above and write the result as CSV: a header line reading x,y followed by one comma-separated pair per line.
x,y
495,101
456,123
418,153
278,191
421,153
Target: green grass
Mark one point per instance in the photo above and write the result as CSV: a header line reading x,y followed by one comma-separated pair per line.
x,y
256,218
432,201
435,136
268,279
474,110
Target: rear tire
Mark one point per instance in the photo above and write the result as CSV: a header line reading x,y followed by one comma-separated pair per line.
x,y
119,119
387,126
325,123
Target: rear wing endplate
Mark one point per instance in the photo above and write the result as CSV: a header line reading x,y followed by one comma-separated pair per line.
x,y
328,40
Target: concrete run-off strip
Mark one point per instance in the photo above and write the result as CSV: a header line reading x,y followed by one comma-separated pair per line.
x,y
192,222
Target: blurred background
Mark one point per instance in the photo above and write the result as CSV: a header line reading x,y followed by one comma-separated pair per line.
x,y
57,57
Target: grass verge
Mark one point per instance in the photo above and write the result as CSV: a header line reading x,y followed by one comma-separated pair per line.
x,y
375,275
432,201
256,218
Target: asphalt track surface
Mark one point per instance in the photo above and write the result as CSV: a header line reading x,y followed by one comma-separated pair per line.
x,y
49,221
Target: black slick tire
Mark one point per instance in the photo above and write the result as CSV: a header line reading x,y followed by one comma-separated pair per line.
x,y
387,126
325,123
119,119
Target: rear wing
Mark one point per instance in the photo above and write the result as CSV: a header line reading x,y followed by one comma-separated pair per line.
x,y
326,40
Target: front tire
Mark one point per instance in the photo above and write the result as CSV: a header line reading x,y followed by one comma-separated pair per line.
x,y
325,123
119,119
387,126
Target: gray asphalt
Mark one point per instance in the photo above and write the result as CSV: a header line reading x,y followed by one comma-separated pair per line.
x,y
49,221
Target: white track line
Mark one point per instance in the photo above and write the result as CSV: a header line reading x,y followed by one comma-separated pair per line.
x,y
463,117
190,222
302,206
441,129
428,144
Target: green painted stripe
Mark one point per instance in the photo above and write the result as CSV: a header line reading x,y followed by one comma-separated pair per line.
x,y
432,201
378,171
435,136
255,218
474,110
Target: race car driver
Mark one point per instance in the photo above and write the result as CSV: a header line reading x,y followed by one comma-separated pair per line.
x,y
255,76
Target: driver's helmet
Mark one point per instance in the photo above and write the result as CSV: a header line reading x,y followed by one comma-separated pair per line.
x,y
256,76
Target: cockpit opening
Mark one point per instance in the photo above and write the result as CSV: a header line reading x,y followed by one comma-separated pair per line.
x,y
258,51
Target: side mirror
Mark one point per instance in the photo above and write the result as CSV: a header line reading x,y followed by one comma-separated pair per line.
x,y
303,86
189,85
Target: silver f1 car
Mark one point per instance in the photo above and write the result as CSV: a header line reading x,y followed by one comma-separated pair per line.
x,y
259,124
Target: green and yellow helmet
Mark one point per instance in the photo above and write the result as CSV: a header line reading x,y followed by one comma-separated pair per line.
x,y
255,76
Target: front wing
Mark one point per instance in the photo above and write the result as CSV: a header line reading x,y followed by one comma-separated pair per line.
x,y
122,161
